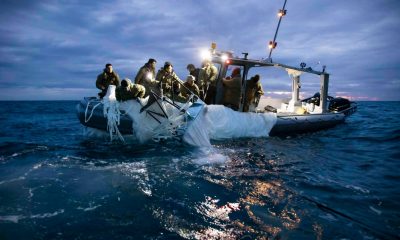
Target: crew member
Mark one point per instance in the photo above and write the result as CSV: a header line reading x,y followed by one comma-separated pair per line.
x,y
209,87
254,91
190,87
128,90
106,78
232,86
146,76
197,73
169,81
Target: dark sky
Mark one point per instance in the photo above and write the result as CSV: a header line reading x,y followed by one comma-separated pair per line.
x,y
54,49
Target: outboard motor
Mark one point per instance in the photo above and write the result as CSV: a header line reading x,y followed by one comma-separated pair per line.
x,y
339,104
335,104
315,99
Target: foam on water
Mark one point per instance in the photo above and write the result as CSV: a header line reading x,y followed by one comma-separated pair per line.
x,y
213,158
90,208
17,218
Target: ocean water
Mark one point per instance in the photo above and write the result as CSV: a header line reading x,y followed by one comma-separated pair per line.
x,y
58,183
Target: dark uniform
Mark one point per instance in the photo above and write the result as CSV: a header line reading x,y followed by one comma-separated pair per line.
x,y
128,91
104,80
232,92
254,91
232,86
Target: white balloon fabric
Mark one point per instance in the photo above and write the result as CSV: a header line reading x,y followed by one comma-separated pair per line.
x,y
214,122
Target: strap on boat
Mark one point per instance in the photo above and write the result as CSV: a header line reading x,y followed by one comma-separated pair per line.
x,y
91,114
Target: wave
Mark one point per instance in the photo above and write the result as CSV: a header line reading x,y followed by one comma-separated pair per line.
x,y
10,150
17,218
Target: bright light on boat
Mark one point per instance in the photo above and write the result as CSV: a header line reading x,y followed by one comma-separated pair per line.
x,y
149,76
205,54
224,57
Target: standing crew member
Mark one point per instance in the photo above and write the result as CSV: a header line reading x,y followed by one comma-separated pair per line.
x,y
169,81
232,87
254,91
146,75
210,75
106,78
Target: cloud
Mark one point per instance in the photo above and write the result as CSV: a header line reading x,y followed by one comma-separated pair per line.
x,y
55,44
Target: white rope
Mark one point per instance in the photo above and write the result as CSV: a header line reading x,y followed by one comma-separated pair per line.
x,y
91,114
174,122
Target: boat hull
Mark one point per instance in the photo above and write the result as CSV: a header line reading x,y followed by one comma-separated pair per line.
x,y
97,119
285,124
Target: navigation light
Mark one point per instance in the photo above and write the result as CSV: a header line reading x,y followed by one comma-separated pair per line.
x,y
272,44
282,12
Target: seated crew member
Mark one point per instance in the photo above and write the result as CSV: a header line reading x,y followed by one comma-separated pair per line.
x,y
128,90
106,78
232,87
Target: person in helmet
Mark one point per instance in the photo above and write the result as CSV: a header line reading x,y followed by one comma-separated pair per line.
x,y
190,87
129,90
197,73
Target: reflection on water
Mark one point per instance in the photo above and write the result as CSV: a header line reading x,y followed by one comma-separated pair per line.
x,y
342,183
256,204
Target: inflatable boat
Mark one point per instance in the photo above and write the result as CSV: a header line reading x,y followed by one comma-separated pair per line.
x,y
90,112
162,117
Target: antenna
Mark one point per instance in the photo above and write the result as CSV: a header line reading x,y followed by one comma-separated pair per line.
x,y
272,44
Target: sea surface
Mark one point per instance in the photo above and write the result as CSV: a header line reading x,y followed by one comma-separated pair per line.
x,y
58,183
